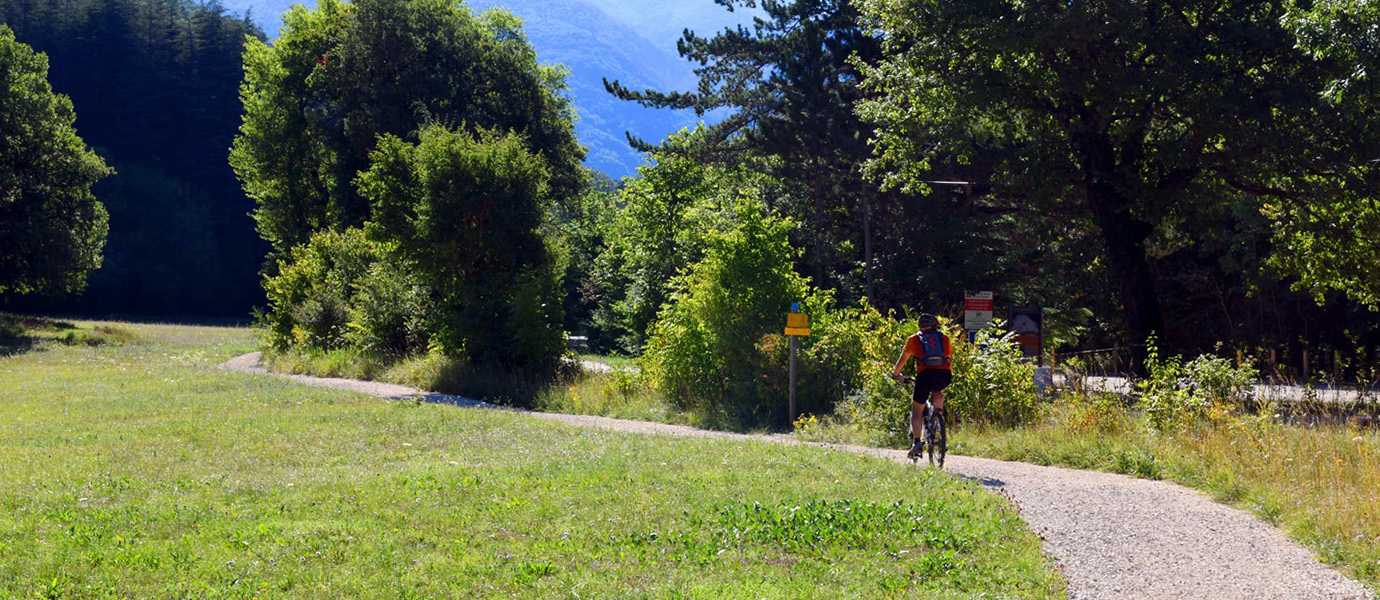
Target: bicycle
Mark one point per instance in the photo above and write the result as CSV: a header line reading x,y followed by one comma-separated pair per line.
x,y
936,440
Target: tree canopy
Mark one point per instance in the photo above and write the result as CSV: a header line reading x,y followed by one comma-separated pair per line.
x,y
425,146
790,87
340,76
1146,115
52,228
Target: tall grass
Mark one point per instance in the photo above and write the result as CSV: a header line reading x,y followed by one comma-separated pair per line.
x,y
143,471
621,394
1320,483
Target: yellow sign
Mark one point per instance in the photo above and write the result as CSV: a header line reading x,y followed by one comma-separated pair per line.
x,y
797,324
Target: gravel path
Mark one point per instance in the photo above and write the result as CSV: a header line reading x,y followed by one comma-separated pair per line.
x,y
1113,536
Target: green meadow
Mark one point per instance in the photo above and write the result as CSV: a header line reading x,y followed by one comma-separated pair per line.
x,y
130,466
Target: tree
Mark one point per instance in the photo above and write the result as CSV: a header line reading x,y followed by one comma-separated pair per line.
x,y
791,87
1138,113
703,349
154,82
52,228
658,229
1334,238
466,213
344,74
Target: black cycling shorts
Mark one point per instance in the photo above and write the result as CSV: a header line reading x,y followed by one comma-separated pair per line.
x,y
929,381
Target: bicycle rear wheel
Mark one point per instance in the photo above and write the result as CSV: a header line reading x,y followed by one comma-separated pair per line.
x,y
938,438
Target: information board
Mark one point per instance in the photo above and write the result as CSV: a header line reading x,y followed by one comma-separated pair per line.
x,y
977,310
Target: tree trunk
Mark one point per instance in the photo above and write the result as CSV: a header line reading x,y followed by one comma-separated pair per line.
x,y
819,222
867,242
1125,236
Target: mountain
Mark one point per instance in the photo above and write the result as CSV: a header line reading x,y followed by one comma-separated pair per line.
x,y
662,22
632,41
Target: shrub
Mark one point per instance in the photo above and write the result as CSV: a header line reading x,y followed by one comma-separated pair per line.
x,y
859,345
1175,396
466,213
993,383
309,297
389,311
705,351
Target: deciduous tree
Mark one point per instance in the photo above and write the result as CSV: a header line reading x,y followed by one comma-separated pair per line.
x,y
52,228
1137,112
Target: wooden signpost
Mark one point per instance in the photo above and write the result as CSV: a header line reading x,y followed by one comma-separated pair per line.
x,y
797,325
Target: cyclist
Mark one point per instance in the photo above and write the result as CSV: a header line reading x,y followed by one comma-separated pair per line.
x,y
933,354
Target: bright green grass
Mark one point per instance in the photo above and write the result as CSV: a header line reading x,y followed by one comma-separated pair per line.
x,y
142,471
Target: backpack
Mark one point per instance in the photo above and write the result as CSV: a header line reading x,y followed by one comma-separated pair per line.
x,y
932,348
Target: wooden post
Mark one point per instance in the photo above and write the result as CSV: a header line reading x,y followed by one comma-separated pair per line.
x,y
792,408
1305,364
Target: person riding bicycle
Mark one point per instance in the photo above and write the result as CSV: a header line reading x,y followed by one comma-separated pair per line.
x,y
933,354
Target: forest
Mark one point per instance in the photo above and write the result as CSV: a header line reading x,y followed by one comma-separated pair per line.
x,y
401,178
154,85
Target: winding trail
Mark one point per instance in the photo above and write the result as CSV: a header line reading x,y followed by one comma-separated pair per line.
x,y
1113,536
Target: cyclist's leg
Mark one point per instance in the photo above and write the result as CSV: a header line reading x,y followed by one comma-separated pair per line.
x,y
943,378
917,420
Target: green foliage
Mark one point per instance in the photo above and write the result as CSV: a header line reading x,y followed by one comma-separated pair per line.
x,y
845,369
703,350
437,133
659,227
790,87
340,76
154,84
992,382
388,311
1126,115
309,299
621,394
1176,396
52,228
1331,250
465,214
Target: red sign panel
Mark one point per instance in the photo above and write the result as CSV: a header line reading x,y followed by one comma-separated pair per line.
x,y
979,304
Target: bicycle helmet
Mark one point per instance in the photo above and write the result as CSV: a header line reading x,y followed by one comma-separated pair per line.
x,y
928,321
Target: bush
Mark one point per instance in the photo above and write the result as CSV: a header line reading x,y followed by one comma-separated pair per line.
x,y
993,383
859,346
466,213
389,311
1175,396
707,351
309,297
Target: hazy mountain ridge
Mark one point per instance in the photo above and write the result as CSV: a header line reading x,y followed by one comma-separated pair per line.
x,y
595,45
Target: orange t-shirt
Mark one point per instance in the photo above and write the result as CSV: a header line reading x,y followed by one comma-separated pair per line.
x,y
914,349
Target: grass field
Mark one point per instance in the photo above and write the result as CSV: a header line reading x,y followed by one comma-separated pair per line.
x,y
131,467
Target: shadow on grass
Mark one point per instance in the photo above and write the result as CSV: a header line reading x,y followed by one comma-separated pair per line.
x,y
20,334
14,333
13,345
